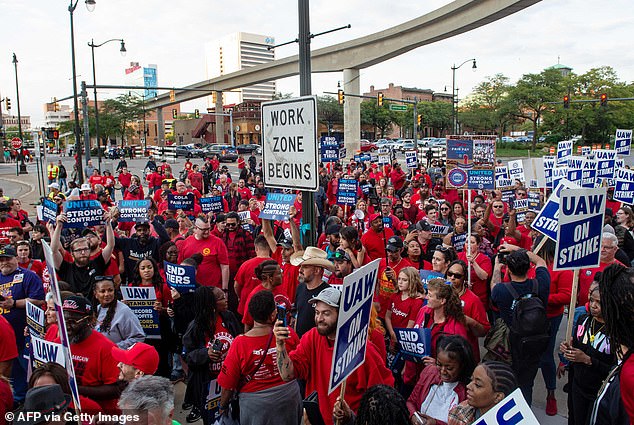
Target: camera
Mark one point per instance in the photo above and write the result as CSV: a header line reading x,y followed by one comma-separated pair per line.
x,y
502,256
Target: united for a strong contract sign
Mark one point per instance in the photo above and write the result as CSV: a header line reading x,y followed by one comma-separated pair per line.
x,y
289,151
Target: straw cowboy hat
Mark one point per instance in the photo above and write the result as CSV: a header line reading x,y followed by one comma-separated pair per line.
x,y
312,257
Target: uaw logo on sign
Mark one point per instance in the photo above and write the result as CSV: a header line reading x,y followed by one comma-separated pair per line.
x,y
457,177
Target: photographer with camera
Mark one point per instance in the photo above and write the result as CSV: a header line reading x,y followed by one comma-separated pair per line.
x,y
522,305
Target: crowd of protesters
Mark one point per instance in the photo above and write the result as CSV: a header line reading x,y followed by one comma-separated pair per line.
x,y
262,320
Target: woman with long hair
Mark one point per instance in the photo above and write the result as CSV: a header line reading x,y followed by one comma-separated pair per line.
x,y
491,383
442,384
481,267
442,257
269,273
206,343
458,210
446,215
558,298
457,238
250,370
115,319
475,314
350,241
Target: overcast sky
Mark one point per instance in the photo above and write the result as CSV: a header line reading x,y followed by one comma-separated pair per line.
x,y
583,33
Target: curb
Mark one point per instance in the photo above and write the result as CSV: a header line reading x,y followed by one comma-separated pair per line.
x,y
31,190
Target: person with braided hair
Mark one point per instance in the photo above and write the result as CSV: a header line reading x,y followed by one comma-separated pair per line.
x,y
115,320
617,307
269,273
380,404
490,383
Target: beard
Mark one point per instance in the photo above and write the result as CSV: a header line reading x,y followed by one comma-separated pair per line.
x,y
326,330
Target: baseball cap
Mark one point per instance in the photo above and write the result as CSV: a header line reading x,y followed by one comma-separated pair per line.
x,y
423,226
374,217
85,186
132,188
140,355
285,243
330,296
4,207
7,251
143,223
333,229
77,304
46,399
88,231
342,255
170,223
54,186
394,243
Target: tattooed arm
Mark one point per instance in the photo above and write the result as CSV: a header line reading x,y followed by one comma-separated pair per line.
x,y
284,362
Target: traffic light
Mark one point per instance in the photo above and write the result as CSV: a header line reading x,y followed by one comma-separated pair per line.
x,y
566,102
196,113
172,96
604,99
379,99
419,119
55,134
214,98
8,103
174,113
340,96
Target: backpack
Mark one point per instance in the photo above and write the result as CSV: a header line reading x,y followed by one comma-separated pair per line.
x,y
529,330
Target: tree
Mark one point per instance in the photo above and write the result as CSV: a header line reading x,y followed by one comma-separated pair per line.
x,y
530,97
329,111
378,117
486,109
118,114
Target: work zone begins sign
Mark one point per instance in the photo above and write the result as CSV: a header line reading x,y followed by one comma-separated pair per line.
x,y
289,150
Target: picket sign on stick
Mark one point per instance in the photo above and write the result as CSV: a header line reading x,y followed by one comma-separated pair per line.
x,y
341,394
573,305
540,245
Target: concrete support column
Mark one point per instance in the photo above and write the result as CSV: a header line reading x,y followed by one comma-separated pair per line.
x,y
351,112
160,127
220,120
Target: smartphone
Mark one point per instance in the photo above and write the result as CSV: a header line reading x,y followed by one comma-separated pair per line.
x,y
217,345
281,315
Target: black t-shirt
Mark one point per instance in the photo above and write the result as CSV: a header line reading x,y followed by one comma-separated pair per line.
x,y
82,279
305,310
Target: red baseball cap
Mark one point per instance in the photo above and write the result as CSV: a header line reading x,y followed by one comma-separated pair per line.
x,y
140,355
373,217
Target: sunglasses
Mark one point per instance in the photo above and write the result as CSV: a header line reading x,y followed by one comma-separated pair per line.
x,y
441,248
456,275
101,278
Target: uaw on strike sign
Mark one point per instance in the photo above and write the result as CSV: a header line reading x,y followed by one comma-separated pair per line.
x,y
289,151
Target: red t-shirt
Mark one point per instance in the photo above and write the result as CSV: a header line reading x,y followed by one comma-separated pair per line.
x,y
585,280
6,400
312,360
472,307
626,378
95,366
479,286
5,225
290,275
403,310
375,242
8,348
245,277
280,296
214,254
125,179
560,291
222,333
95,180
243,357
385,288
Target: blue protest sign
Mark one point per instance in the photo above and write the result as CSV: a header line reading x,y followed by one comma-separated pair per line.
x,y
534,201
329,149
575,169
546,221
606,160
347,191
624,186
501,172
564,150
513,410
212,402
427,275
212,204
182,278
414,343
180,202
133,211
141,300
411,161
277,205
45,351
549,164
471,162
458,241
560,173
623,142
589,173
580,227
49,210
342,153
82,214
438,230
352,323
387,222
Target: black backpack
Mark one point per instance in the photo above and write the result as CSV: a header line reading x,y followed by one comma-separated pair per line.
x,y
529,329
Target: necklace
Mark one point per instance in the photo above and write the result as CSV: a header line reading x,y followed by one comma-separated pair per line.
x,y
593,331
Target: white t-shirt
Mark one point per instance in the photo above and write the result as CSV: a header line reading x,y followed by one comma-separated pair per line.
x,y
440,400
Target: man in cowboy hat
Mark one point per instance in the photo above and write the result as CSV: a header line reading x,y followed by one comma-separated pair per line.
x,y
312,263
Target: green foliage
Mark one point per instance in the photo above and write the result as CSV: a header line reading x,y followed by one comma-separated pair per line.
x,y
380,117
329,111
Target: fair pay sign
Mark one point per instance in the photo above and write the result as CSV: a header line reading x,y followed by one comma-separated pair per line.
x,y
289,148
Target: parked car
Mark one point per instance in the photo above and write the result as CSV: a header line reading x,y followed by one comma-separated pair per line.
x,y
189,151
406,145
225,153
367,146
507,139
380,143
247,148
437,142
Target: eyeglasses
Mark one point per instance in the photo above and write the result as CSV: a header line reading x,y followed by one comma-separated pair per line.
x,y
442,248
203,229
455,275
81,250
498,206
444,209
231,224
101,278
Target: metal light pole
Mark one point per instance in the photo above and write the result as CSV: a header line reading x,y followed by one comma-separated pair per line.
x,y
454,96
17,96
94,82
90,5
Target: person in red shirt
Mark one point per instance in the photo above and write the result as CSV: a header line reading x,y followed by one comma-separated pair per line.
x,y
245,192
376,237
251,350
405,304
95,369
609,246
269,274
95,179
481,267
8,348
246,279
6,224
124,179
312,359
154,180
214,270
397,176
389,269
196,178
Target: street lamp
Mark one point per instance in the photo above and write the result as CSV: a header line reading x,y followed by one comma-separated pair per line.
x,y
90,5
94,82
454,96
17,96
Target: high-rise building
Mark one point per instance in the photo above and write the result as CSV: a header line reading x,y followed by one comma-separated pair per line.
x,y
235,52
144,76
